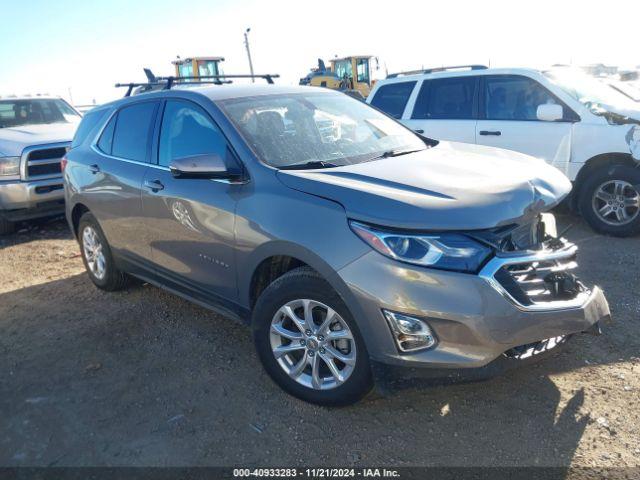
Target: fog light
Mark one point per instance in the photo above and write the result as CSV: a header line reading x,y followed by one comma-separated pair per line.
x,y
410,333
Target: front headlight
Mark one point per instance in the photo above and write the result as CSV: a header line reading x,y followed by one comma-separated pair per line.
x,y
447,251
9,166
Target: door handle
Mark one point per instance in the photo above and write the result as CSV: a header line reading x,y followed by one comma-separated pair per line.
x,y
419,130
496,133
95,168
153,185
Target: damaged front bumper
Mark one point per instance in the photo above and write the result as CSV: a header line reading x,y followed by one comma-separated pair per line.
x,y
519,308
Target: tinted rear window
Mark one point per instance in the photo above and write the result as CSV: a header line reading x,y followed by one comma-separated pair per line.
x,y
132,130
446,98
392,98
89,122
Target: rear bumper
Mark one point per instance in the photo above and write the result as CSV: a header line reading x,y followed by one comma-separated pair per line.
x,y
474,322
24,200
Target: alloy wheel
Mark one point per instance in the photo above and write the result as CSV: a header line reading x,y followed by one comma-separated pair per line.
x,y
616,202
92,247
313,344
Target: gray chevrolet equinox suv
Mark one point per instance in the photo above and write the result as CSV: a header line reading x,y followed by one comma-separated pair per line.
x,y
358,251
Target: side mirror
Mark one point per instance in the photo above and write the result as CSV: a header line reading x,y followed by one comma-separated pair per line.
x,y
210,165
550,112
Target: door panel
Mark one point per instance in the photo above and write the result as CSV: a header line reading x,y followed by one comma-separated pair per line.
x,y
548,140
449,130
191,221
191,226
119,162
115,200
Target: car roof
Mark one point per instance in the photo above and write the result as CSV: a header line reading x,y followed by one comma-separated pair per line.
x,y
224,92
221,92
459,73
29,97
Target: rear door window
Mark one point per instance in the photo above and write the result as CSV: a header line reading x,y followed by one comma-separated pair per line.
x,y
446,98
133,128
393,97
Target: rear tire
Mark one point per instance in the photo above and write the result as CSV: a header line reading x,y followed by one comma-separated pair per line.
x,y
610,200
308,295
97,256
6,227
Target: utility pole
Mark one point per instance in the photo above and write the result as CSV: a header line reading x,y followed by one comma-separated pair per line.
x,y
246,44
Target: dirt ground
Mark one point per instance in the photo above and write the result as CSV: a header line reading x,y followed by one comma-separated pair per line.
x,y
143,377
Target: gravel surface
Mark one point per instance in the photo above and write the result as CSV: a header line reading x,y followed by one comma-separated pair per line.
x,y
143,377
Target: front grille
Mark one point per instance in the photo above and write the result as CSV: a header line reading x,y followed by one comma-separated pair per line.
x,y
538,280
541,281
44,162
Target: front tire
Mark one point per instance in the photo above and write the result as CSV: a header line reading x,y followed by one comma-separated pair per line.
x,y
97,256
610,200
308,341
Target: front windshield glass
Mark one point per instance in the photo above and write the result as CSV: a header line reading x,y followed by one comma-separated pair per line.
x,y
332,128
343,69
628,90
16,113
590,92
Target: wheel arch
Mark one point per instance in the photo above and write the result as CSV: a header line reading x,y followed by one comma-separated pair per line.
x,y
272,260
77,211
603,160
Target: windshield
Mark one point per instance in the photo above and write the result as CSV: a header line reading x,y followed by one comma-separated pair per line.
x,y
627,89
16,113
343,69
590,92
332,128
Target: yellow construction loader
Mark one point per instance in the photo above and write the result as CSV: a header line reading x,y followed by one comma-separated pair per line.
x,y
196,67
351,75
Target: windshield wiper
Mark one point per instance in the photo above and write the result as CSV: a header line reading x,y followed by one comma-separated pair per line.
x,y
395,153
309,165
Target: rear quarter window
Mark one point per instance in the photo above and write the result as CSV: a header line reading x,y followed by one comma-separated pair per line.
x,y
393,97
89,124
106,139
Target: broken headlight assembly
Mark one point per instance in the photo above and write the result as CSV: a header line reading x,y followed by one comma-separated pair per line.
x,y
445,251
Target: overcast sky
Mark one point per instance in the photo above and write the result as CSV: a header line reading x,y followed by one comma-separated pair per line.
x,y
87,46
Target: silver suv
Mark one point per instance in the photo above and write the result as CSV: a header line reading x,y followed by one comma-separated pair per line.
x,y
354,247
35,132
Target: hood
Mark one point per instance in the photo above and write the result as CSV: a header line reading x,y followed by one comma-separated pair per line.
x,y
14,139
620,115
452,186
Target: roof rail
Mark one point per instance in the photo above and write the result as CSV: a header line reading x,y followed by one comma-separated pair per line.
x,y
165,83
437,69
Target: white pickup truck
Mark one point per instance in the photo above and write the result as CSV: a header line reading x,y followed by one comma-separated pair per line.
x,y
35,133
